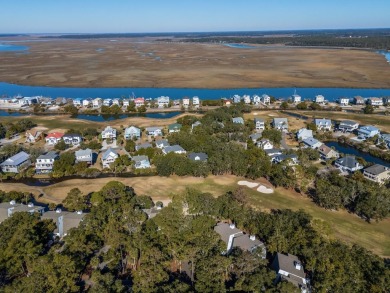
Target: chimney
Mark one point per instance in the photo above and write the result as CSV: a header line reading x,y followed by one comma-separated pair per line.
x,y
30,205
12,202
252,237
58,211
232,226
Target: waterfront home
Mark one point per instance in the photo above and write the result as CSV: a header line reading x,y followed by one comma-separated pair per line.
x,y
186,102
132,132
255,137
77,102
304,133
116,101
319,99
7,209
163,101
154,131
227,102
236,99
375,101
377,173
44,163
266,99
238,120
311,143
195,101
53,138
84,156
273,153
126,102
143,146
344,101
234,237
141,162
86,103
348,125
289,268
384,138
139,102
198,157
296,98
280,124
247,99
107,102
368,131
290,159
265,144
33,136
162,143
323,124
72,139
97,103
109,157
259,124
176,102
348,164
16,163
386,101
195,124
327,153
256,99
173,149
175,127
64,220
60,101
109,132
358,100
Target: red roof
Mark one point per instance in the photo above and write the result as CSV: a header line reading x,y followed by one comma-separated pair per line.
x,y
55,135
139,100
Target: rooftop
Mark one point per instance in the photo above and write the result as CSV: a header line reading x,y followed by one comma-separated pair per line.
x,y
48,156
16,159
376,169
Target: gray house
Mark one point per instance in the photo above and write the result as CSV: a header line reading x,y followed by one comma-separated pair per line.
x,y
348,125
304,133
280,124
348,164
131,132
84,156
199,157
7,209
16,163
162,143
173,149
44,163
64,220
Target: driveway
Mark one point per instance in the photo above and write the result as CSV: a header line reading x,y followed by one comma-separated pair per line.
x,y
283,141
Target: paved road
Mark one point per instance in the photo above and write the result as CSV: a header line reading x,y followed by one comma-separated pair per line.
x,y
283,142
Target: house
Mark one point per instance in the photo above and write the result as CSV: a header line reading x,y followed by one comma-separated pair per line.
x,y
236,99
386,101
107,102
348,126
247,99
348,164
319,99
259,124
53,138
186,102
195,101
304,133
327,153
234,237
33,136
227,102
143,146
72,139
289,268
84,156
368,131
255,137
132,132
60,101
109,157
44,163
358,100
7,209
154,131
77,102
375,101
116,101
344,101
109,132
97,103
16,163
323,124
86,103
291,159
199,157
384,138
175,127
377,173
256,99
141,162
173,149
152,212
238,120
266,99
273,152
195,124
162,143
163,101
176,102
126,102
280,124
312,143
64,220
296,98
139,102
265,144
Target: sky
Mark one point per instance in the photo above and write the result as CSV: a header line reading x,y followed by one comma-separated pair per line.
x,y
128,16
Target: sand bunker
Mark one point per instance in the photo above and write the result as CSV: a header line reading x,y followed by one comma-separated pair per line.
x,y
264,189
247,183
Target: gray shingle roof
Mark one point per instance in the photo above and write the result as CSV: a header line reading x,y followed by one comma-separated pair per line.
x,y
108,152
376,169
310,141
174,148
198,156
140,158
287,264
347,161
143,146
16,160
162,142
48,156
82,153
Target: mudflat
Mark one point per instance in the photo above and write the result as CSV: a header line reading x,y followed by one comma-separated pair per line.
x,y
153,63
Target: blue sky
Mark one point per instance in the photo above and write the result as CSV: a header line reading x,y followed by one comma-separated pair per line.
x,y
93,16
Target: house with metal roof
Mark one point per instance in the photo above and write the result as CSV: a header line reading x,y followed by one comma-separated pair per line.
x,y
323,124
199,157
109,157
84,156
44,163
304,133
173,149
280,123
175,127
16,163
384,138
348,164
311,143
377,173
132,132
368,131
162,143
141,162
255,137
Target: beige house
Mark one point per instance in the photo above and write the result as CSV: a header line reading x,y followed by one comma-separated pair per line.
x,y
377,173
327,153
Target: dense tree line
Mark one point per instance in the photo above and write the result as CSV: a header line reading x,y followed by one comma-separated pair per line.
x,y
9,129
118,249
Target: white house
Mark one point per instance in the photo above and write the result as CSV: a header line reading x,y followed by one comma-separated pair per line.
x,y
296,98
97,103
290,159
16,163
139,102
84,156
77,102
259,124
72,139
256,99
126,102
368,131
265,144
319,99
358,100
86,103
109,132
247,99
154,131
236,99
53,138
266,99
163,101
348,164
312,143
141,162
344,101
116,101
186,102
107,102
131,132
195,101
109,157
33,136
44,163
175,127
280,123
323,124
304,133
375,101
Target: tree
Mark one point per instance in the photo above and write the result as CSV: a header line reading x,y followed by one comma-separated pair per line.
x,y
368,109
75,200
130,146
71,109
302,106
284,105
274,135
131,107
61,145
141,109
